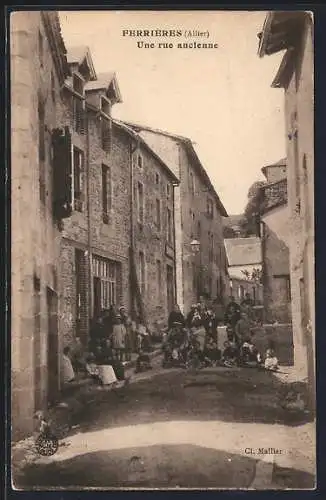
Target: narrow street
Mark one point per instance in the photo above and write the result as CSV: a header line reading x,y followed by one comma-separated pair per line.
x,y
172,428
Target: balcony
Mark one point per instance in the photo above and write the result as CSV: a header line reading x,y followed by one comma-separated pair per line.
x,y
274,195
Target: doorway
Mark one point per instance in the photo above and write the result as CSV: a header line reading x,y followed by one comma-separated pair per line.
x,y
53,345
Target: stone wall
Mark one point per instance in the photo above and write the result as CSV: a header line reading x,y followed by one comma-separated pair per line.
x,y
35,238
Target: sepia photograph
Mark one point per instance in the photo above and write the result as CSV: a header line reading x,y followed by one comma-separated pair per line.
x,y
162,250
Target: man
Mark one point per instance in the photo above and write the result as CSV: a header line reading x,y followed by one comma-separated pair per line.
x,y
247,301
232,313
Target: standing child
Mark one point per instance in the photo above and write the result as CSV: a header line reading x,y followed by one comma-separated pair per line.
x,y
119,338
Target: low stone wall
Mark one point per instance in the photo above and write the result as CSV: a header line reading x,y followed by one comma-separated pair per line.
x,y
281,336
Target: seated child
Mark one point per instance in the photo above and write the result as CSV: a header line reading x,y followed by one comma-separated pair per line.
x,y
143,363
212,353
92,368
271,361
230,354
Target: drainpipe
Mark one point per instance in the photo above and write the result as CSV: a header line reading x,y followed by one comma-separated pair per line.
x,y
89,240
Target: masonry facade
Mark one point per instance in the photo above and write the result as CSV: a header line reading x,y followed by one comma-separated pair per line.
x,y
293,31
38,70
198,214
275,231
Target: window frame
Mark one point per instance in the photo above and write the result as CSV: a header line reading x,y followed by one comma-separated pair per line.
x,y
169,226
158,216
142,272
78,197
140,203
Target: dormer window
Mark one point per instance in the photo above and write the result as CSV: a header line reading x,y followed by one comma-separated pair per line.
x,y
105,106
78,104
78,84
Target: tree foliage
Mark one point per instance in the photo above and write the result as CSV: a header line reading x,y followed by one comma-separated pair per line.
x,y
249,224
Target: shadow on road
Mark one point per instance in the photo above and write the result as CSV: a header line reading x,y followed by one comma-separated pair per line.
x,y
158,466
231,396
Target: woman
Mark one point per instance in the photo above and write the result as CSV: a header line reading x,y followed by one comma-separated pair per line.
x,y
176,316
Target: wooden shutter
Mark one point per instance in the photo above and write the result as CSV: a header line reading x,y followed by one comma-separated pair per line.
x,y
62,173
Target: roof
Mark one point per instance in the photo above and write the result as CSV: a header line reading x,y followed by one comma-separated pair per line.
x,y
281,163
279,31
57,46
103,82
243,251
77,54
193,155
140,139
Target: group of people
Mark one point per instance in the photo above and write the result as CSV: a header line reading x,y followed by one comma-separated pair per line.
x,y
114,336
195,337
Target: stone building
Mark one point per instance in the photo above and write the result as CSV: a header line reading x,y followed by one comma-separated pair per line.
x,y
38,69
152,241
198,213
244,260
116,246
274,233
292,32
95,238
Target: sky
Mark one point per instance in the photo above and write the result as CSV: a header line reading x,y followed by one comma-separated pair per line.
x,y
220,98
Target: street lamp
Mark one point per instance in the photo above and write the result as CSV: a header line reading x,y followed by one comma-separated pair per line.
x,y
195,246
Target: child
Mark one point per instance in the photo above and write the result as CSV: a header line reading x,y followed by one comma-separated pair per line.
x,y
230,354
92,368
271,361
212,353
119,338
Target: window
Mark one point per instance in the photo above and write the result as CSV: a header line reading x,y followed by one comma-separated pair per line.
x,y
199,229
140,200
41,49
158,214
41,149
106,192
140,161
210,208
106,133
168,190
78,167
78,104
169,227
142,279
105,106
157,179
283,284
159,279
106,283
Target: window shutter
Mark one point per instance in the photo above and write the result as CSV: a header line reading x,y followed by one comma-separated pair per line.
x,y
62,173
